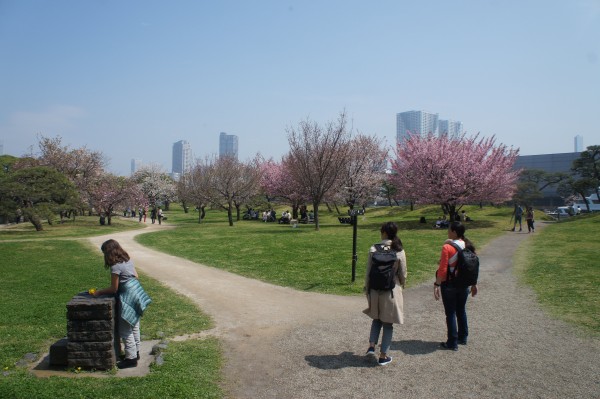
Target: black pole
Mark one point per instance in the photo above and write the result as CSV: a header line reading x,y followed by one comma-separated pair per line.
x,y
354,256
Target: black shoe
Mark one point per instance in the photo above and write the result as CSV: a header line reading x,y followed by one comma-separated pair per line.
x,y
462,341
138,355
450,348
127,363
371,351
384,361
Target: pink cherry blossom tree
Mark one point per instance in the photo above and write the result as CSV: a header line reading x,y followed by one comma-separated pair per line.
x,y
454,171
111,192
277,184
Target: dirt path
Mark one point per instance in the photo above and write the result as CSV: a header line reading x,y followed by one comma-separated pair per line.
x,y
282,343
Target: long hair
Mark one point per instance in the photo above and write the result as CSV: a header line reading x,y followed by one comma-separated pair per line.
x,y
113,253
460,229
391,230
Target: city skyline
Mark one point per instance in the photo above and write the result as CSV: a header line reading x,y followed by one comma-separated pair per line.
x,y
131,78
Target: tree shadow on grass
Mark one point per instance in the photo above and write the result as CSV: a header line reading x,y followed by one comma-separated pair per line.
x,y
343,360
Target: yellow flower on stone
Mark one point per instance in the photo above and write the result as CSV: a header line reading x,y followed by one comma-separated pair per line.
x,y
92,291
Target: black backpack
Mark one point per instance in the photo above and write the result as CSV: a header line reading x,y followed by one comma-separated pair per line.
x,y
467,267
383,271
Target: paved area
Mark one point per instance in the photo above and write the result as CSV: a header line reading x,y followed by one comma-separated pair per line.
x,y
281,343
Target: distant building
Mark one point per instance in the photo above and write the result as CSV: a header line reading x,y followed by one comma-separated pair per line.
x,y
578,141
136,164
550,163
451,128
415,122
182,159
228,145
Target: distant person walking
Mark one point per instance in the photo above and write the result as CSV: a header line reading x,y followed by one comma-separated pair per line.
x,y
385,303
160,215
454,295
529,218
153,215
518,214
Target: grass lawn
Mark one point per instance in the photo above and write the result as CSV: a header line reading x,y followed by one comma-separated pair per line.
x,y
40,277
82,226
310,260
563,267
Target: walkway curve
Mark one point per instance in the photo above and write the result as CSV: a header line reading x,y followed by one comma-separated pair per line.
x,y
283,343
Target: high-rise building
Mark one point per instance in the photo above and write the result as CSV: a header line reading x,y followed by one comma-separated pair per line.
x,y
228,145
136,164
453,129
182,158
415,122
578,143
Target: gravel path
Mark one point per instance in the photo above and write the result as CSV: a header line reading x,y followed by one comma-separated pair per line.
x,y
282,343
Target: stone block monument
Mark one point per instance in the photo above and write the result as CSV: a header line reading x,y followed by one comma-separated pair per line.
x,y
92,341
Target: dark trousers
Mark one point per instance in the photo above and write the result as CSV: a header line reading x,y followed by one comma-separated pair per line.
x,y
455,302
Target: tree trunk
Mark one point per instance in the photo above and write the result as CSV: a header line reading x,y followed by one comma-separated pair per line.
x,y
237,212
36,222
316,210
230,214
336,208
328,207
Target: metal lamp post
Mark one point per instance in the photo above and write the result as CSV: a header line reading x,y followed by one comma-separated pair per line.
x,y
354,220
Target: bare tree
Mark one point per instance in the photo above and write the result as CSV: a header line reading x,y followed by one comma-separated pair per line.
x,y
194,188
317,157
224,182
364,174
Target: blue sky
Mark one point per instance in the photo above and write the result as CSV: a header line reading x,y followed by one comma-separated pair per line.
x,y
130,78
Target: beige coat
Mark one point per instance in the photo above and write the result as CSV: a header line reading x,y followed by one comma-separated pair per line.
x,y
382,305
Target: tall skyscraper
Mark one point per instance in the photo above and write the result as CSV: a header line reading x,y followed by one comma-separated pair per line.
x,y
228,145
415,122
451,128
578,143
182,158
136,164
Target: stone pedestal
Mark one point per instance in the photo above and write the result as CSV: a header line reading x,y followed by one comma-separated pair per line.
x,y
91,336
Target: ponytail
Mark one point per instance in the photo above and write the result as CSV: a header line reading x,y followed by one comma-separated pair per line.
x,y
459,229
391,230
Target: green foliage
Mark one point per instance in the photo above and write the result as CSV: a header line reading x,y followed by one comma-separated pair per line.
x,y
561,264
39,192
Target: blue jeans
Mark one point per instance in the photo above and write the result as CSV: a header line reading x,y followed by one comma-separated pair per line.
x,y
386,339
455,302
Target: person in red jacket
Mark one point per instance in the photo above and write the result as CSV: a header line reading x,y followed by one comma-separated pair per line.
x,y
454,295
